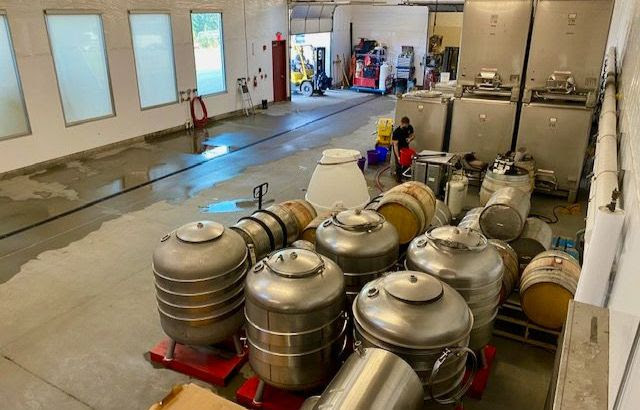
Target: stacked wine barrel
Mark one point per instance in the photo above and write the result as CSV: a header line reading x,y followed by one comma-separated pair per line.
x,y
493,182
409,207
276,226
547,285
547,279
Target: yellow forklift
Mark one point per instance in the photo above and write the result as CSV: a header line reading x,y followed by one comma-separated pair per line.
x,y
307,78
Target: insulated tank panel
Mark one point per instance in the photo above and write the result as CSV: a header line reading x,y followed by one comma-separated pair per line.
x,y
494,36
429,119
557,137
568,36
482,126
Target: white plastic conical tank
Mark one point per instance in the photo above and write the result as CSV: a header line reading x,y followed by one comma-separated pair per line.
x,y
337,182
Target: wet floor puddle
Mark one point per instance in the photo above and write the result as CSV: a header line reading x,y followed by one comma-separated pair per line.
x,y
233,205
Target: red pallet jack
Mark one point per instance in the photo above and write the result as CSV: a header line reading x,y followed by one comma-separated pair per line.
x,y
214,364
481,378
256,394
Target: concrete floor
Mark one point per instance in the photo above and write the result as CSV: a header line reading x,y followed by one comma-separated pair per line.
x,y
77,308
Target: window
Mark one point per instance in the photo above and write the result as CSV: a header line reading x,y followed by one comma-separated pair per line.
x,y
153,52
208,50
13,113
80,59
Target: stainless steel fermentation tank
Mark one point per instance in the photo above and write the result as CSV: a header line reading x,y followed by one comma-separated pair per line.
x,y
492,56
296,326
362,243
465,260
421,319
557,136
563,76
567,49
371,379
199,272
494,43
482,126
429,116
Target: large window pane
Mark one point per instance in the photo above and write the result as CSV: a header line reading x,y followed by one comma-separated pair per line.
x,y
208,49
13,114
153,50
77,45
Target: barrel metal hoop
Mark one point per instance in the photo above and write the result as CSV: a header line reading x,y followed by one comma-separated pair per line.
x,y
235,282
235,268
227,298
283,226
446,354
306,332
264,226
225,313
341,334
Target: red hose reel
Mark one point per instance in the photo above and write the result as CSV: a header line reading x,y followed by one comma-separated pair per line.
x,y
199,122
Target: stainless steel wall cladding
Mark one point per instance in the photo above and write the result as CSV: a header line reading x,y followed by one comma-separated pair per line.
x,y
418,318
494,42
557,137
199,272
296,326
371,379
468,263
567,47
428,117
362,243
482,126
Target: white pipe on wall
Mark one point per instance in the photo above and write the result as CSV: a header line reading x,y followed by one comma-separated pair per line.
x,y
605,168
593,285
604,221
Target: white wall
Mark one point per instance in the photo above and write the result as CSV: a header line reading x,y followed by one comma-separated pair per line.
x,y
625,35
448,25
393,26
51,139
341,41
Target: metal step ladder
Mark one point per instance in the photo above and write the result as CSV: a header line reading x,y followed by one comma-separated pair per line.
x,y
247,103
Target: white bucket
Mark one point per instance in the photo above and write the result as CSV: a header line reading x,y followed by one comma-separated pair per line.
x,y
337,182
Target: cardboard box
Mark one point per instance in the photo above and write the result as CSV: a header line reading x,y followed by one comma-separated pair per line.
x,y
191,396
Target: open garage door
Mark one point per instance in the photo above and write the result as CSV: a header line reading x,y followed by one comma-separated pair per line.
x,y
307,19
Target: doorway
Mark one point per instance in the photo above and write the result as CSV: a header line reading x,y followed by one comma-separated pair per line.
x,y
303,64
279,56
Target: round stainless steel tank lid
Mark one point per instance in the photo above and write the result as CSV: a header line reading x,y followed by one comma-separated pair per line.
x,y
201,231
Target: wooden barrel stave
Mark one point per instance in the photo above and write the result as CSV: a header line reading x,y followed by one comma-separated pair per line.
x,y
404,212
511,274
303,212
503,217
309,232
493,182
423,194
547,285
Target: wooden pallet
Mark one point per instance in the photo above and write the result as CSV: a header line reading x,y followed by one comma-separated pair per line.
x,y
512,323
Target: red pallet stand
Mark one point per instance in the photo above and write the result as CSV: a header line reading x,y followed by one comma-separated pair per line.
x,y
272,397
199,363
479,384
